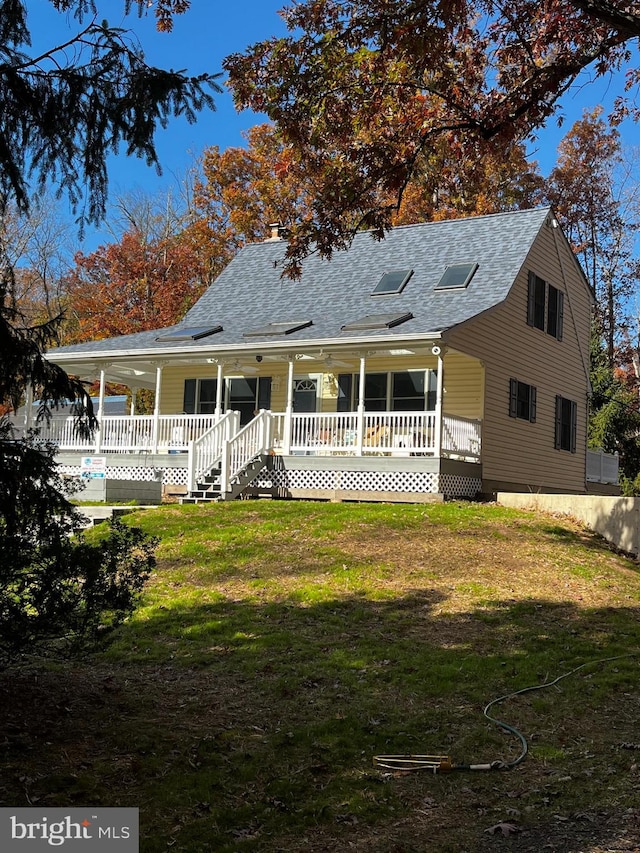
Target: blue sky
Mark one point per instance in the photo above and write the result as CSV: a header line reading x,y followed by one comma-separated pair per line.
x,y
199,42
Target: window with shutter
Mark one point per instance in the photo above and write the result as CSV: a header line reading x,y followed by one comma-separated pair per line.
x,y
545,306
522,400
566,424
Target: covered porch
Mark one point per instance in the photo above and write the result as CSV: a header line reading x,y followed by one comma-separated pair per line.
x,y
314,406
368,456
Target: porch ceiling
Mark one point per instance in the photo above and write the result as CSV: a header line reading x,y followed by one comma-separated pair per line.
x,y
141,373
137,375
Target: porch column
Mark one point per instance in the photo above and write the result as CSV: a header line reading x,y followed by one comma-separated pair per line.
x,y
219,389
100,429
360,419
439,396
156,408
130,429
28,407
286,444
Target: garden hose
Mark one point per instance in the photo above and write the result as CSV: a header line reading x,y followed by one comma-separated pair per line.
x,y
444,764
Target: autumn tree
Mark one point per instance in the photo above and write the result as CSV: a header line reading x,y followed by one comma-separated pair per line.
x,y
133,285
629,351
595,192
156,217
238,193
363,92
446,186
614,422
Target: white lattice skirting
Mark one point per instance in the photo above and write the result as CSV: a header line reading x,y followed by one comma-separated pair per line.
x,y
421,482
370,481
170,476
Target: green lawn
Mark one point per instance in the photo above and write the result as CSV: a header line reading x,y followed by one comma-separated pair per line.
x,y
280,646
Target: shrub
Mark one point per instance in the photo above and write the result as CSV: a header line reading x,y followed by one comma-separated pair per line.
x,y
56,588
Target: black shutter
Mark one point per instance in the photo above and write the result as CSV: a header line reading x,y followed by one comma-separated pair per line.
x,y
558,438
533,394
574,425
560,315
531,299
264,392
345,384
513,398
189,398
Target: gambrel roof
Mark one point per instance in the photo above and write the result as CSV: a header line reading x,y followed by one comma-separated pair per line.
x,y
251,305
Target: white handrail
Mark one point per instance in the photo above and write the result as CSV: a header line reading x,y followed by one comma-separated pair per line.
x,y
206,450
240,449
126,433
63,432
314,433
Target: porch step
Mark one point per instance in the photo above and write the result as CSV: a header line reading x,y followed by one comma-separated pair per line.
x,y
204,493
208,491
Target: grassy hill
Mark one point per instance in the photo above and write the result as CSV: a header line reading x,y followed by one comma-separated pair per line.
x,y
280,646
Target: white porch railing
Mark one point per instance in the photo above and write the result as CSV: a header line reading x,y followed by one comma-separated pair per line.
x,y
316,433
62,431
602,467
382,433
126,433
461,437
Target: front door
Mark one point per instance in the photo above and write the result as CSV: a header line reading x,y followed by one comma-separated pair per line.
x,y
305,394
248,395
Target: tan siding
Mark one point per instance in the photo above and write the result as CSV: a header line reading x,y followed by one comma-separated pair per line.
x,y
515,450
463,386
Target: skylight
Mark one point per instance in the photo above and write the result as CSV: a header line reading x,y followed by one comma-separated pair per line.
x,y
377,321
280,328
456,276
189,333
392,282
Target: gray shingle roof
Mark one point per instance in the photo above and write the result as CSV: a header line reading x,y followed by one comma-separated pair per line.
x,y
250,292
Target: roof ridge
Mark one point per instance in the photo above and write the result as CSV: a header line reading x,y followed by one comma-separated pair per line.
x,y
543,208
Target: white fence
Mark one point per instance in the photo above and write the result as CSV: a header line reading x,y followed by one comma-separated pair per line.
x,y
602,467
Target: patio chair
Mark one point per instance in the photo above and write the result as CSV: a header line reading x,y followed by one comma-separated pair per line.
x,y
377,436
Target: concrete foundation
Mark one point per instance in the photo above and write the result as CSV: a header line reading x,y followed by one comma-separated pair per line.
x,y
120,491
616,519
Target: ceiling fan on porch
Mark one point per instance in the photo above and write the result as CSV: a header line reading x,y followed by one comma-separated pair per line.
x,y
243,368
330,362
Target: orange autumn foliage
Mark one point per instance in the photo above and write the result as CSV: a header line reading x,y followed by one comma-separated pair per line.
x,y
132,286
